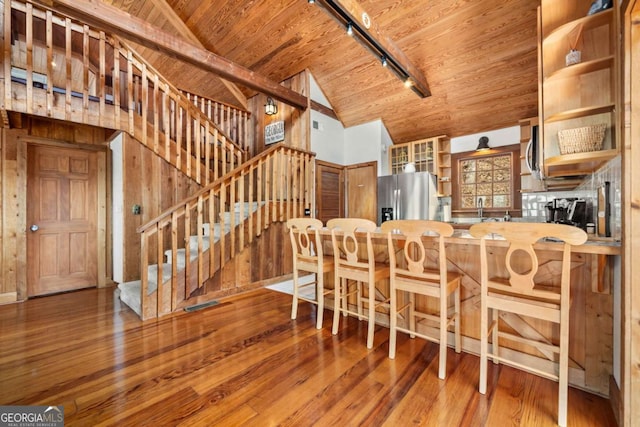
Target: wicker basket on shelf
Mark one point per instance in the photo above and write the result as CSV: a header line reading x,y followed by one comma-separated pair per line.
x,y
581,140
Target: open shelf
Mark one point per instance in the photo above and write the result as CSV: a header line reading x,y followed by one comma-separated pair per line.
x,y
577,164
580,112
588,22
580,69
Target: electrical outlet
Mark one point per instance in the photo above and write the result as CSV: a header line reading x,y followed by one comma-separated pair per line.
x,y
307,212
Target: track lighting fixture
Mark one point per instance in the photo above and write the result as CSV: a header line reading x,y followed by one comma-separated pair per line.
x,y
350,29
360,26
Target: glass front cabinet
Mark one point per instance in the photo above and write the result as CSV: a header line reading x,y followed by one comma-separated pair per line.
x,y
427,155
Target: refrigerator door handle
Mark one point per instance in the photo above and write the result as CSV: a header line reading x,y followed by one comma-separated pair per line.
x,y
400,214
395,204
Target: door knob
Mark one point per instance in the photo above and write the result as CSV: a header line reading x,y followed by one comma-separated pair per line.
x,y
34,227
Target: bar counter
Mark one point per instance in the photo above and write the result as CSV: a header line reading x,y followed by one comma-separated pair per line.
x,y
591,318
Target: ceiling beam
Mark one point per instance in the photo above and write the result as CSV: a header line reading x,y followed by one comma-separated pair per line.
x,y
174,20
369,34
116,21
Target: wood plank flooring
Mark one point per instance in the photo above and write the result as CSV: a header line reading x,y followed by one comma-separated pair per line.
x,y
244,362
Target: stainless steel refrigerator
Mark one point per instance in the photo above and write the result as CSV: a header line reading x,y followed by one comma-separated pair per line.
x,y
407,196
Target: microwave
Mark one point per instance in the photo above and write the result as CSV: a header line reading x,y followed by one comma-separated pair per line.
x,y
533,153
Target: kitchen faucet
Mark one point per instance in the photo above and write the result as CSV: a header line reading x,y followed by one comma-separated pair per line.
x,y
480,203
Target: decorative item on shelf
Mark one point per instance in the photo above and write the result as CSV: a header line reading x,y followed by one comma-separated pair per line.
x,y
574,56
409,167
599,6
581,140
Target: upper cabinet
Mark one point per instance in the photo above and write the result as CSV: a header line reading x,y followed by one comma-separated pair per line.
x,y
428,155
579,62
421,153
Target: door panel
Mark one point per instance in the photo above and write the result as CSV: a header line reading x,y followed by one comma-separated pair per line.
x,y
62,203
329,191
362,190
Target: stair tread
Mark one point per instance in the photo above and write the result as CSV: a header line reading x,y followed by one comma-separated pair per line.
x,y
130,291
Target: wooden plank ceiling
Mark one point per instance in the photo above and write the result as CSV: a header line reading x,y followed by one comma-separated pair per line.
x,y
479,57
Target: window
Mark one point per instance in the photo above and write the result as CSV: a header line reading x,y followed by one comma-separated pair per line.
x,y
493,177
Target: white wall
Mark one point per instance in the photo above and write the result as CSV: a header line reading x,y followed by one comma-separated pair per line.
x,y
327,141
363,143
117,206
497,138
333,143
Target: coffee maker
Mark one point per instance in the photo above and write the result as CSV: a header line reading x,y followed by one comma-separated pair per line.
x,y
577,213
555,212
568,211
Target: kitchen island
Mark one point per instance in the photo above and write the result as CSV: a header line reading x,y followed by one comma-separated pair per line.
x,y
592,311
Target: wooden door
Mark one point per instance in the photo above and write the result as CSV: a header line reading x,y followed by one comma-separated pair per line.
x,y
329,191
362,191
62,216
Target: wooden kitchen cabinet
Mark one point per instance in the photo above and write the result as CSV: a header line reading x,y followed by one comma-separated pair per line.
x,y
429,155
444,167
399,156
573,96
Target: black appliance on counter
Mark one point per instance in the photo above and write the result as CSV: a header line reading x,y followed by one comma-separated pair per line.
x,y
577,212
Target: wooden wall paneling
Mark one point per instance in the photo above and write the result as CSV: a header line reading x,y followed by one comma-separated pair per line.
x,y
630,350
6,294
132,176
257,261
578,325
14,166
297,123
8,290
598,345
20,218
104,250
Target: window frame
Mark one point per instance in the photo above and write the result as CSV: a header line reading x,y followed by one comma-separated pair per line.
x,y
516,197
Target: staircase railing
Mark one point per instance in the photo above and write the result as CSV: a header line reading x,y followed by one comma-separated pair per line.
x,y
276,185
234,122
55,67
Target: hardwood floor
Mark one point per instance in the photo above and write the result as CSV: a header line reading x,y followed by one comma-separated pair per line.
x,y
244,362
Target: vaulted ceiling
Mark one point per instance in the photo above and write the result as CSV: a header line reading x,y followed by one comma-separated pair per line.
x,y
478,56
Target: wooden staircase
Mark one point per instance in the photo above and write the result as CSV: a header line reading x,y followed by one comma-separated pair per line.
x,y
187,245
100,81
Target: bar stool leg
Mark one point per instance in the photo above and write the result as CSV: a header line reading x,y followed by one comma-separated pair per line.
x,y
336,304
294,304
320,299
393,323
372,313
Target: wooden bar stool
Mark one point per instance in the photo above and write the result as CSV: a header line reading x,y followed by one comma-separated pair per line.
x,y
308,257
413,273
352,264
519,295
